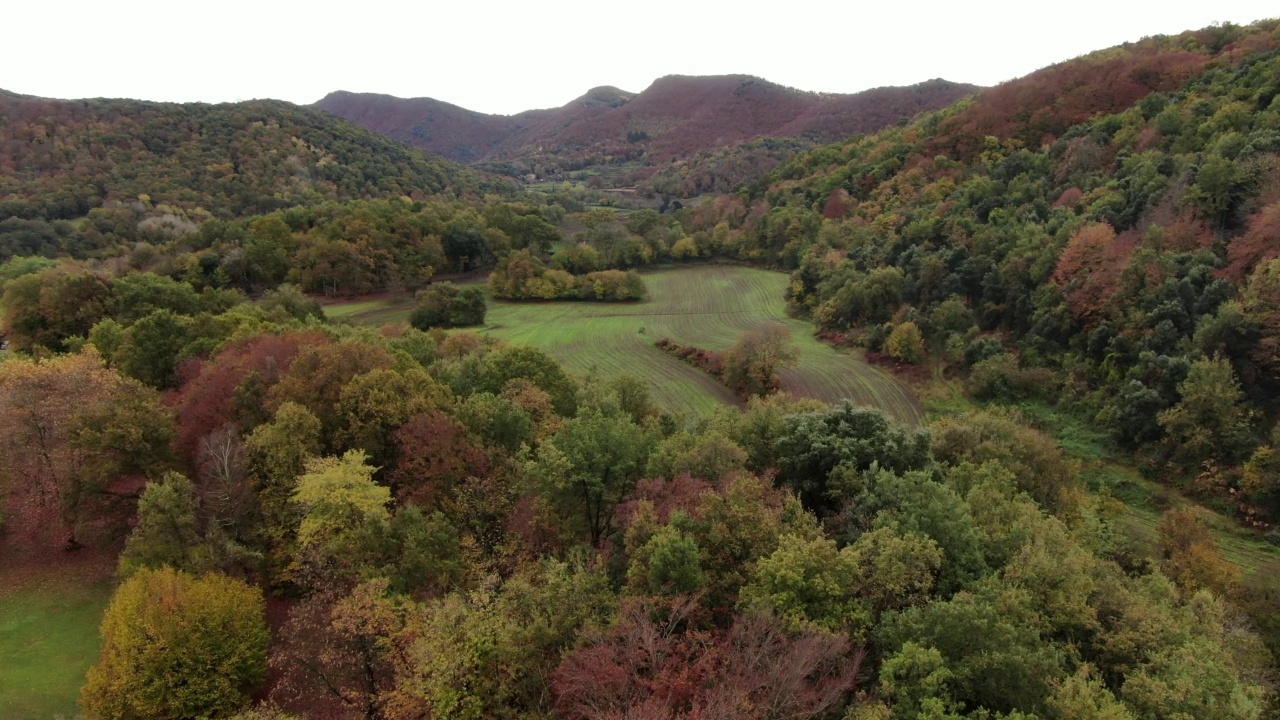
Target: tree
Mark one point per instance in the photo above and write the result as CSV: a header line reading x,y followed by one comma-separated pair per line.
x,y
435,454
490,653
174,645
340,646
69,428
973,647
137,295
894,569
594,463
811,445
666,564
292,302
1210,421
47,308
344,519
906,343
150,348
373,405
445,305
809,585
167,532
650,664
1190,555
1038,464
751,366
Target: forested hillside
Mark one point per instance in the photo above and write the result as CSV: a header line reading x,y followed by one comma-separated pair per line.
x,y
169,167
1130,255
673,118
300,517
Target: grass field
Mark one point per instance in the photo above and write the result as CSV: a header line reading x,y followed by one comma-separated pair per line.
x,y
706,306
48,639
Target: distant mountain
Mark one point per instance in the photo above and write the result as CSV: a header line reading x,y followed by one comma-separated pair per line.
x,y
676,117
61,158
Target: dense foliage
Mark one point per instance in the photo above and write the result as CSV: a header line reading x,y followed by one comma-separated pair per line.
x,y
450,527
62,159
445,305
1117,244
524,277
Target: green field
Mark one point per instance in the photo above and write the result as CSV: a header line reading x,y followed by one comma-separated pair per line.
x,y
706,306
48,639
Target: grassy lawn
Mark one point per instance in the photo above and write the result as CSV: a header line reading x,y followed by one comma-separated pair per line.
x,y
706,306
48,639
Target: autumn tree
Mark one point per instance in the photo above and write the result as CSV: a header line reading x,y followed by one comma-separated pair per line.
x,y
174,645
906,343
490,653
752,364
336,650
46,309
650,664
1190,555
344,519
435,455
70,428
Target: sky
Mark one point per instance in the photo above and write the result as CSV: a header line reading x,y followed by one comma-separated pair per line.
x,y
505,57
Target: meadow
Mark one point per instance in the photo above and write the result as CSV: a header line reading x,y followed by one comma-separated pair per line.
x,y
707,306
48,639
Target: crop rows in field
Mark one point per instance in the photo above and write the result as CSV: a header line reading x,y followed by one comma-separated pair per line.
x,y
705,306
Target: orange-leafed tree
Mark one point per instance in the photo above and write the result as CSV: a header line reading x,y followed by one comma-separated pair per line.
x,y
69,429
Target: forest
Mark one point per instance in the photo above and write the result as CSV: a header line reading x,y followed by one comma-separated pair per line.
x,y
301,517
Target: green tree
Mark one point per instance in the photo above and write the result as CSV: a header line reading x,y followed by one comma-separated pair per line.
x,y
137,295
168,530
894,569
177,646
150,349
810,585
594,462
445,305
811,445
1210,420
667,564
292,303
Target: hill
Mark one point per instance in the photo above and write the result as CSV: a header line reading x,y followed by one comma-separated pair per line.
x,y
61,158
674,117
1115,247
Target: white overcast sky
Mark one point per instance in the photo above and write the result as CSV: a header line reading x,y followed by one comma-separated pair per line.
x,y
504,57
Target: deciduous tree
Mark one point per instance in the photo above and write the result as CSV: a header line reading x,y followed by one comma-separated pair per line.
x,y
174,645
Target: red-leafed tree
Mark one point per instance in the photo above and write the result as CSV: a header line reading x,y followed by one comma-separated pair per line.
x,y
652,665
208,402
435,454
1261,241
1091,265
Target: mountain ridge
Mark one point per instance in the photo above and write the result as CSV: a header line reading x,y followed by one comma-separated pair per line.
x,y
676,116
